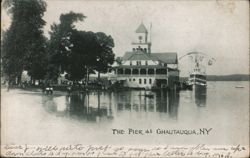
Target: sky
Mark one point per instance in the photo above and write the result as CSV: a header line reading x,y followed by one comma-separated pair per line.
x,y
219,29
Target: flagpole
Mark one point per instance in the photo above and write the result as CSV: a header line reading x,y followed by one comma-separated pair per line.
x,y
150,37
151,32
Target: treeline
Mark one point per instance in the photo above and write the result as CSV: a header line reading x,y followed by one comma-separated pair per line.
x,y
67,50
234,77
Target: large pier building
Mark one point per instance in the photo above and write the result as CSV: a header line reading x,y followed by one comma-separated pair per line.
x,y
141,68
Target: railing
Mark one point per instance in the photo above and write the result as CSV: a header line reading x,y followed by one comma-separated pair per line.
x,y
160,76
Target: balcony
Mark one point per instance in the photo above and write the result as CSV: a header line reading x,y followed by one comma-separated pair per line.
x,y
124,76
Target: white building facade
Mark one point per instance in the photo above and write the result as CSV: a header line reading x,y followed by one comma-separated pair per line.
x,y
140,68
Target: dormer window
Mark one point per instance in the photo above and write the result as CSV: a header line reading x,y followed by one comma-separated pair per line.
x,y
140,38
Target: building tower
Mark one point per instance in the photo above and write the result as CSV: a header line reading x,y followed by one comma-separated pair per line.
x,y
141,43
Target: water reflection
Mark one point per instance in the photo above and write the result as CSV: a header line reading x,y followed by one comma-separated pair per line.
x,y
200,97
89,106
49,104
162,101
103,106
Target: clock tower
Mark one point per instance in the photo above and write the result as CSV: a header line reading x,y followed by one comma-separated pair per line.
x,y
141,43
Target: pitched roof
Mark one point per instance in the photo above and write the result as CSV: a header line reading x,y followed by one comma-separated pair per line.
x,y
139,66
141,29
127,55
140,56
168,57
136,56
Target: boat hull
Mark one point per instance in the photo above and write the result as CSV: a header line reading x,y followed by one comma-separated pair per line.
x,y
197,87
197,81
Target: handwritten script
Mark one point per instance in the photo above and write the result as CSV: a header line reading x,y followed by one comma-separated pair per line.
x,y
79,150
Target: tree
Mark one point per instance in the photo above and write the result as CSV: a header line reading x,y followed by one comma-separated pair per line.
x,y
82,54
90,51
59,43
37,67
11,64
24,43
105,55
78,52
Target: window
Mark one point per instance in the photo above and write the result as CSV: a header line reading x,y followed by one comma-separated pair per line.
x,y
140,38
146,62
134,79
145,81
138,62
150,81
139,81
130,80
130,62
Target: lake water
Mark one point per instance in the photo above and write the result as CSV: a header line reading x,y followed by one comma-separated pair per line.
x,y
30,117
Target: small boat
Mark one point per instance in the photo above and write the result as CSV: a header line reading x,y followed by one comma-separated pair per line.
x,y
149,95
239,87
48,90
185,86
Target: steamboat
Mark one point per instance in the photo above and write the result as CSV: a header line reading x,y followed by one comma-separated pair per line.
x,y
197,72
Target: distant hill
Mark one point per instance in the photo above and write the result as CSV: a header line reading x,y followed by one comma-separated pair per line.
x,y
233,77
